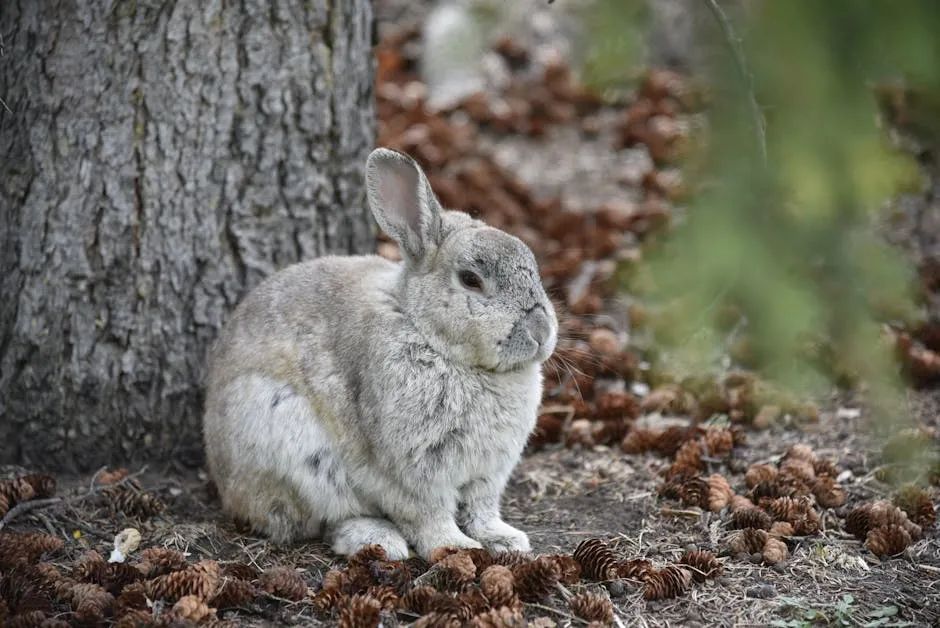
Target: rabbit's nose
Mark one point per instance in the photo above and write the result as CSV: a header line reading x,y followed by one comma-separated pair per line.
x,y
539,326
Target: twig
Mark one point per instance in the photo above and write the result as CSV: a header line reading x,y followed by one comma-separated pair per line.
x,y
557,612
2,102
737,52
27,506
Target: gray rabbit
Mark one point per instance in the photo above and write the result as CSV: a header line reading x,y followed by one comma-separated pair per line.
x,y
366,401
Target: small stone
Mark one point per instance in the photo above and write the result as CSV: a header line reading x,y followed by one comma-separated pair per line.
x,y
743,556
691,547
756,558
780,567
761,592
615,588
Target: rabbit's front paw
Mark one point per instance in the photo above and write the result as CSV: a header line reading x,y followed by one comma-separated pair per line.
x,y
429,544
498,536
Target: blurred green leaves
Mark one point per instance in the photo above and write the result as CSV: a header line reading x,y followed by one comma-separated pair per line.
x,y
790,246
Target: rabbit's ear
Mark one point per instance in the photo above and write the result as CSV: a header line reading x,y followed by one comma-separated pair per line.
x,y
402,202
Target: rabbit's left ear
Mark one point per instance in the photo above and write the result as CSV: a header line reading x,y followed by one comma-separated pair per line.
x,y
402,202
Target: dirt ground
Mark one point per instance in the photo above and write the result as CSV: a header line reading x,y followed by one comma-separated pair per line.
x,y
563,495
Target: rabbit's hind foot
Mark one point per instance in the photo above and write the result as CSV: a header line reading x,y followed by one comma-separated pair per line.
x,y
353,534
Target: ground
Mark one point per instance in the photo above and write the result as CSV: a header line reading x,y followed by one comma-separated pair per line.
x,y
584,188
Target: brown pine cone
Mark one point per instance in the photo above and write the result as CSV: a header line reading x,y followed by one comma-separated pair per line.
x,y
335,579
765,490
536,580
13,492
26,547
781,528
368,554
482,558
283,582
798,512
419,599
877,514
327,599
136,618
689,455
751,518
201,580
133,503
511,559
387,596
360,611
759,473
158,561
456,571
592,607
825,468
695,491
191,608
43,485
916,503
748,541
240,571
740,502
501,617
90,567
89,601
132,598
668,582
775,551
394,574
472,602
888,540
829,494
798,468
801,452
634,569
570,568
719,492
233,593
718,441
597,561
639,440
29,619
702,564
671,440
498,585
438,620
111,476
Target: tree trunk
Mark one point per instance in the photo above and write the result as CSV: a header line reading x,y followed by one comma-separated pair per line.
x,y
159,159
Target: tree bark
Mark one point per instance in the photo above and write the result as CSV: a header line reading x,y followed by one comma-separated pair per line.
x,y
158,160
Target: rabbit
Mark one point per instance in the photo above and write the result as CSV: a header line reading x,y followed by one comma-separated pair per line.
x,y
365,401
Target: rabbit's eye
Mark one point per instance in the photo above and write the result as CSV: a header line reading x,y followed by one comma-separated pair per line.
x,y
470,280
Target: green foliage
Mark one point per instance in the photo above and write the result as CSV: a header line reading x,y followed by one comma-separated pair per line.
x,y
790,245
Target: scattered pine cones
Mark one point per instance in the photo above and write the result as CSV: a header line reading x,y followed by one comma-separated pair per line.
x,y
498,585
634,569
535,580
360,611
702,564
748,541
25,547
916,503
502,617
132,502
284,582
720,494
877,514
751,518
889,540
201,580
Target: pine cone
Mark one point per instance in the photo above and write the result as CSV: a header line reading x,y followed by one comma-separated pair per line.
x,y
498,585
878,514
718,442
43,485
673,438
798,468
26,547
702,564
781,528
132,598
766,490
751,518
748,541
394,574
201,580
472,602
137,618
240,571
13,492
740,502
191,608
132,503
335,579
29,619
90,567
387,596
598,562
801,452
481,558
457,570
536,580
111,476
668,582
570,568
283,582
511,559
760,473
825,468
420,599
719,492
639,440
89,601
158,561
916,503
360,611
327,599
233,593
592,607
775,551
634,569
368,554
798,512
889,540
689,455
502,617
828,492
438,620
695,491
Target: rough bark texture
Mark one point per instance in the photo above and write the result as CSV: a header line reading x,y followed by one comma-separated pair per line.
x,y
161,158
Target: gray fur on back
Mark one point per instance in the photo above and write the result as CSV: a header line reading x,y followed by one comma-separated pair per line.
x,y
380,402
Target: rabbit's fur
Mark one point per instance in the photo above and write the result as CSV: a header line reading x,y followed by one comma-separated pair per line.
x,y
374,402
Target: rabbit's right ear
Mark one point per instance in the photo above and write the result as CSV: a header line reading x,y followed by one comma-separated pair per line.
x,y
402,202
